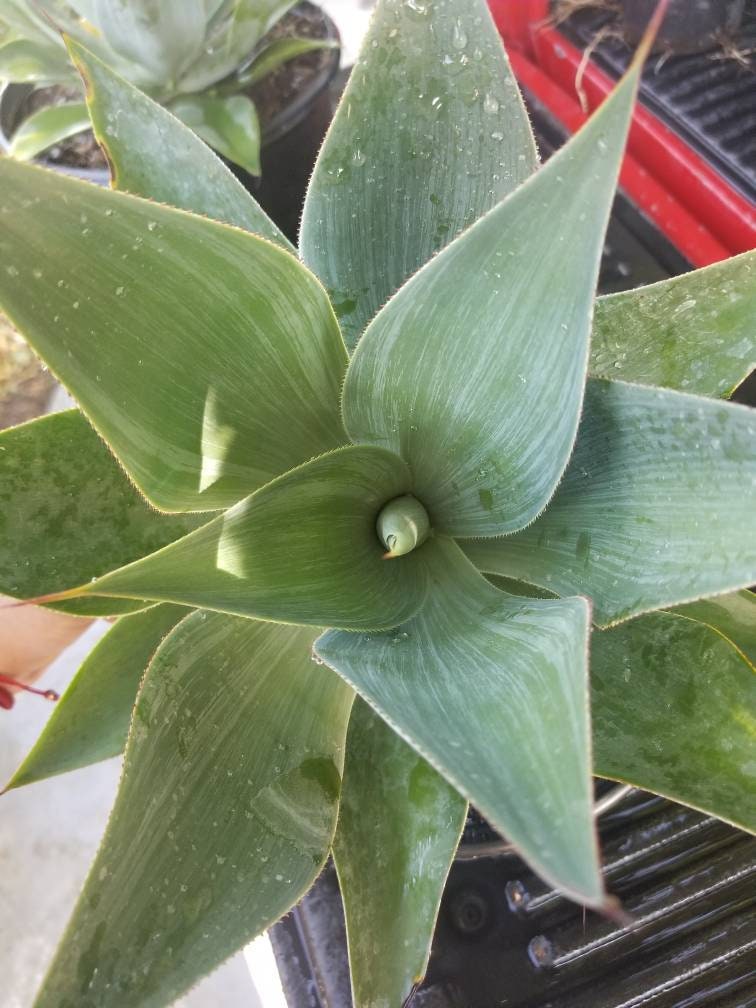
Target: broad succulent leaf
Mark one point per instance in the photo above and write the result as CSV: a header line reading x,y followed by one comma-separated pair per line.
x,y
733,616
430,134
673,704
655,509
48,126
474,370
181,170
229,125
91,720
303,549
241,32
694,332
160,38
224,817
399,826
279,52
68,513
28,61
493,691
248,361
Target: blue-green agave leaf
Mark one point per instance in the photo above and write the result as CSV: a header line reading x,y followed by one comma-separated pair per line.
x,y
673,712
68,513
224,817
181,170
733,616
208,358
399,826
694,332
431,133
474,371
656,508
493,691
303,549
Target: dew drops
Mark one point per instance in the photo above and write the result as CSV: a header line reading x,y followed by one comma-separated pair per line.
x,y
496,135
602,145
358,158
151,225
490,104
459,38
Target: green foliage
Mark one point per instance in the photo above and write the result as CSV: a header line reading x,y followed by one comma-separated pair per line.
x,y
181,171
694,332
92,720
391,878
215,431
196,57
68,510
224,818
674,704
211,362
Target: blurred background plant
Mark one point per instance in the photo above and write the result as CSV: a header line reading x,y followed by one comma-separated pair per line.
x,y
199,58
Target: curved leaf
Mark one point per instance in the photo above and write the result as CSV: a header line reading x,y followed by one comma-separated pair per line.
x,y
47,127
68,513
656,674
240,28
26,60
474,370
694,332
493,691
733,616
399,826
181,170
91,720
303,549
209,359
224,816
280,51
656,507
160,39
412,157
229,125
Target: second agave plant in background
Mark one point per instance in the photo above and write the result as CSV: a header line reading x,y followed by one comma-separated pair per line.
x,y
200,58
464,425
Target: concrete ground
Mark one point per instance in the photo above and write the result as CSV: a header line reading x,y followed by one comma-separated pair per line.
x,y
49,832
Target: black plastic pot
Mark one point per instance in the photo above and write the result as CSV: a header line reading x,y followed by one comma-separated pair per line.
x,y
290,142
689,25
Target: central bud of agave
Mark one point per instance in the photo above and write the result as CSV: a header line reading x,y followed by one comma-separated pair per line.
x,y
402,525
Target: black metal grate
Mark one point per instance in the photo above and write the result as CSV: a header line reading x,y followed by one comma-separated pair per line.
x,y
708,99
503,938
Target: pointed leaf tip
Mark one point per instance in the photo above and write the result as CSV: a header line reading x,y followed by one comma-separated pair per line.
x,y
474,370
493,691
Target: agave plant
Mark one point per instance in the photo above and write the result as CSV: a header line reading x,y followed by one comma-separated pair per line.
x,y
198,58
314,456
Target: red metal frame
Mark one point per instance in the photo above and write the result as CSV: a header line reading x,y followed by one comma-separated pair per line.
x,y
687,199
685,232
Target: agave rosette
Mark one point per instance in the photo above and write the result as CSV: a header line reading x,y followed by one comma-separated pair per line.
x,y
269,465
